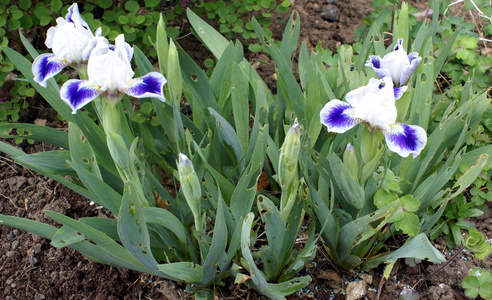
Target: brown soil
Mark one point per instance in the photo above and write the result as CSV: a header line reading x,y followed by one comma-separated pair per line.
x,y
30,268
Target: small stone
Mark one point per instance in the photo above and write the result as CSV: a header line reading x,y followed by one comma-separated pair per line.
x,y
40,122
331,14
14,244
10,236
33,260
9,281
39,296
366,277
11,254
356,290
53,275
330,2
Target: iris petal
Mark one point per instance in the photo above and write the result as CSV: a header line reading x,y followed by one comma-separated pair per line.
x,y
149,85
46,66
374,63
77,93
398,91
337,116
73,16
406,139
408,70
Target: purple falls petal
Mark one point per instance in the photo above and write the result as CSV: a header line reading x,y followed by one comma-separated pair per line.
x,y
408,70
374,63
77,93
406,139
149,85
398,91
46,66
337,116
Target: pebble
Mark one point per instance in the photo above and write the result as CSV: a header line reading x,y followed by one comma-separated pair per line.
x,y
11,254
14,244
39,296
331,14
366,277
356,290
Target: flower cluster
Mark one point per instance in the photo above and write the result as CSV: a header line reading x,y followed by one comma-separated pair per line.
x,y
106,68
375,104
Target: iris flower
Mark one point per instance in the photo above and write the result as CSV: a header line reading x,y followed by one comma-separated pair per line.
x,y
71,42
111,75
374,105
397,64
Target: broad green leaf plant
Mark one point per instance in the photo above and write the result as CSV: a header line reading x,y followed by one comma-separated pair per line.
x,y
325,158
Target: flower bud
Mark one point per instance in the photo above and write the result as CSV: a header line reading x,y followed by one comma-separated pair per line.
x,y
162,44
190,185
350,160
289,156
175,79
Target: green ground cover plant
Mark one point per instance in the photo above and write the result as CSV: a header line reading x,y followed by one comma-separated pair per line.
x,y
361,148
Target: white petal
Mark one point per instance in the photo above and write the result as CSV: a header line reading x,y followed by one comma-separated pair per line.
x,y
374,103
110,69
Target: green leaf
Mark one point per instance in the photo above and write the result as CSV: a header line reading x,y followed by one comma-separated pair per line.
x,y
105,4
239,98
25,4
216,254
54,161
351,190
105,195
228,138
65,236
415,247
132,6
210,37
183,271
166,219
409,224
287,82
152,3
471,286
56,5
104,243
35,132
133,231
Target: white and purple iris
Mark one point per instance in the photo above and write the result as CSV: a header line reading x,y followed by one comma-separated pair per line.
x,y
71,42
397,64
110,75
374,105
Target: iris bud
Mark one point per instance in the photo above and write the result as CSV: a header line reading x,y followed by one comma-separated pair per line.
x,y
350,160
190,185
289,156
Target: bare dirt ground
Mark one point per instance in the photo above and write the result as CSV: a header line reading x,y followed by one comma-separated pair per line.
x,y
30,268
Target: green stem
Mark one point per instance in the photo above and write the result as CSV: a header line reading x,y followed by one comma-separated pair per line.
x,y
111,114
